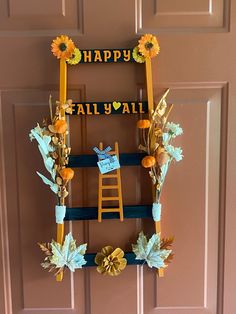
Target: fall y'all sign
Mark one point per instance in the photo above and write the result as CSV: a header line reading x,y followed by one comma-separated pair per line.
x,y
115,107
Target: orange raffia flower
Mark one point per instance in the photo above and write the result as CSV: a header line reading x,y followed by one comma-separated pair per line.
x,y
148,46
62,47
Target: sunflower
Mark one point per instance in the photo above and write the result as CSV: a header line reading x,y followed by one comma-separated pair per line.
x,y
75,57
62,47
110,261
138,57
148,46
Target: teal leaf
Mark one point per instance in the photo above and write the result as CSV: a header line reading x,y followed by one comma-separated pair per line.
x,y
47,139
150,251
53,186
154,242
38,130
45,148
42,152
49,164
164,168
165,138
68,254
43,141
48,161
53,174
40,141
139,249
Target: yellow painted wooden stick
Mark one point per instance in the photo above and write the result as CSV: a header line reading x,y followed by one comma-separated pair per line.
x,y
60,236
160,271
63,84
63,89
158,226
149,84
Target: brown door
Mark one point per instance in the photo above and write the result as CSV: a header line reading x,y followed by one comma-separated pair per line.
x,y
197,62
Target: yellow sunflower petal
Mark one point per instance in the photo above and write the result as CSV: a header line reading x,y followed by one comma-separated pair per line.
x,y
138,57
75,57
62,47
148,46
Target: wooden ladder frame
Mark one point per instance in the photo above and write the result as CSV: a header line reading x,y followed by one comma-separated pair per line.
x,y
63,97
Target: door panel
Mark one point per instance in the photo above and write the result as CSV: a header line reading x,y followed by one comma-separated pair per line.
x,y
197,63
44,18
196,16
191,209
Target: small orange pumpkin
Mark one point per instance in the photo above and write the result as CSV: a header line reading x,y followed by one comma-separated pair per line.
x,y
148,161
67,174
143,124
60,126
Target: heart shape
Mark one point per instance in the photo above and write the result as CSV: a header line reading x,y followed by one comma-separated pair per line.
x,y
116,105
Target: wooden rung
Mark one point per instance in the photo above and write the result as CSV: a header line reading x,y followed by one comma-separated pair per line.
x,y
109,176
109,187
110,210
110,198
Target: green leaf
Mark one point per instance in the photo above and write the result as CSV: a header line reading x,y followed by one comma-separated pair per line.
x,y
151,251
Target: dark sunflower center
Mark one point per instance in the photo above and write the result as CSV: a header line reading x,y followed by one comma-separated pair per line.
x,y
73,55
62,46
148,45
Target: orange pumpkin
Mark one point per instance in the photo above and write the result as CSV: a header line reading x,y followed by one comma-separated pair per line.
x,y
143,124
60,126
67,174
148,161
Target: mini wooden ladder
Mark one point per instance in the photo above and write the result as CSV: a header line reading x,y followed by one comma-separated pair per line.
x,y
115,175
